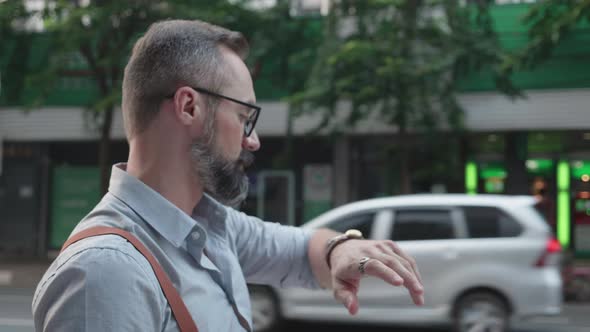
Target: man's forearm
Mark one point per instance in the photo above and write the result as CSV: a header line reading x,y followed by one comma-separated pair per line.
x,y
317,256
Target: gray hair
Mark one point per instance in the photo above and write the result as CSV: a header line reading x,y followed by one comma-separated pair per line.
x,y
172,53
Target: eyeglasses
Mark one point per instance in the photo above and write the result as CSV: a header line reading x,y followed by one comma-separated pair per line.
x,y
250,121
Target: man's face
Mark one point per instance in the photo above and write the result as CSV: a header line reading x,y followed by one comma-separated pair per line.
x,y
231,116
223,153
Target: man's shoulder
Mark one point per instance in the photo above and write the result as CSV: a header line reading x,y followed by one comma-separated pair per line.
x,y
105,252
100,261
108,213
88,275
109,252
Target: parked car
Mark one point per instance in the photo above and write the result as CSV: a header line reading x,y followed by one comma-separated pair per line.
x,y
485,260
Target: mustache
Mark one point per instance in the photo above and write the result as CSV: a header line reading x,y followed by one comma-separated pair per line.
x,y
245,159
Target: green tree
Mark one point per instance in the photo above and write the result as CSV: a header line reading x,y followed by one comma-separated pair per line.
x,y
286,46
550,23
13,47
102,33
400,61
10,13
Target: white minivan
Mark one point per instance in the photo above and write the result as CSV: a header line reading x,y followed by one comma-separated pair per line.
x,y
485,260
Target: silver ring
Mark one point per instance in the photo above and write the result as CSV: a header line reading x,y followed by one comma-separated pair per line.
x,y
362,263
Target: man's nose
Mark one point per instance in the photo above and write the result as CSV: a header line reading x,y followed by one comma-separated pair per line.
x,y
251,143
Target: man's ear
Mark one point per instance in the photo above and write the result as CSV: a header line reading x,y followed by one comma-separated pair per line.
x,y
187,106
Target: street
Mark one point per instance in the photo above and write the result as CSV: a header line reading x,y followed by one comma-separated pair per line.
x,y
15,310
575,318
15,316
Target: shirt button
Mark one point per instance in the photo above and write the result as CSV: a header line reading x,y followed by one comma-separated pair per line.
x,y
196,236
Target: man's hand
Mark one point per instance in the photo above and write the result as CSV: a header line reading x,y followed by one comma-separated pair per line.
x,y
386,261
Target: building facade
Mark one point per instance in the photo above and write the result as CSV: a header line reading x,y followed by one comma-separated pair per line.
x,y
539,145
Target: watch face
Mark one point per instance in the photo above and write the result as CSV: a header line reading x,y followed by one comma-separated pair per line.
x,y
354,233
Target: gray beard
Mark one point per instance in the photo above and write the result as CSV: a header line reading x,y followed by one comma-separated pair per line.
x,y
222,179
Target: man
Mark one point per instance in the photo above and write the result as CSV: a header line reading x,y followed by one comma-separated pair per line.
x,y
188,106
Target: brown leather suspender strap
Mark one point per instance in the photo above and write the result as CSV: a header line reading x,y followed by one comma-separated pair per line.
x,y
179,310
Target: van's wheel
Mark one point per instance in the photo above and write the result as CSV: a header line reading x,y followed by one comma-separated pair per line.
x,y
266,314
481,312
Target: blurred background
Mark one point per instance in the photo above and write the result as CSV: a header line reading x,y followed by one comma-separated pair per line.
x,y
360,99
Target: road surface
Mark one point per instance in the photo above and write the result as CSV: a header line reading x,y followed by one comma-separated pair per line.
x,y
15,316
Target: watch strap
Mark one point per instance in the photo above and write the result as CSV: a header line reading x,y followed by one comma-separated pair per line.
x,y
351,234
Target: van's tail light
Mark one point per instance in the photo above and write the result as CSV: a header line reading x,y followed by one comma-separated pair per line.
x,y
550,254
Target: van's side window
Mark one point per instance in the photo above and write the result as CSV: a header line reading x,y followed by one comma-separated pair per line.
x,y
489,222
363,222
422,225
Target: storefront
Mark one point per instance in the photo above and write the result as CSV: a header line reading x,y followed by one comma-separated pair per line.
x,y
22,186
554,174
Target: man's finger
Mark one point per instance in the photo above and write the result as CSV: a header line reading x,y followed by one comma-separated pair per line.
x,y
346,293
379,270
398,251
410,280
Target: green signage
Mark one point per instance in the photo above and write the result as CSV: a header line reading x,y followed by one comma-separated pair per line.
x,y
471,178
580,168
494,186
542,167
563,203
492,170
75,191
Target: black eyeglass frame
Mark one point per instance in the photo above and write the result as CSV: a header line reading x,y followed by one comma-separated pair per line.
x,y
251,119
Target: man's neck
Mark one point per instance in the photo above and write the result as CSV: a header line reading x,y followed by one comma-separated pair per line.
x,y
169,176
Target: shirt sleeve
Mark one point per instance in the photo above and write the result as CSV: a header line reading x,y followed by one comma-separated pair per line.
x,y
99,289
271,253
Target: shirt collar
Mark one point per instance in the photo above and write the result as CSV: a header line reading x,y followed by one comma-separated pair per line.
x,y
213,212
166,218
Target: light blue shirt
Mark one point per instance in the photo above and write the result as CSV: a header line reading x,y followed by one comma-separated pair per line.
x,y
104,284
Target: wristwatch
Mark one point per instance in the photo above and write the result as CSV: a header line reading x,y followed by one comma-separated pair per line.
x,y
337,240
